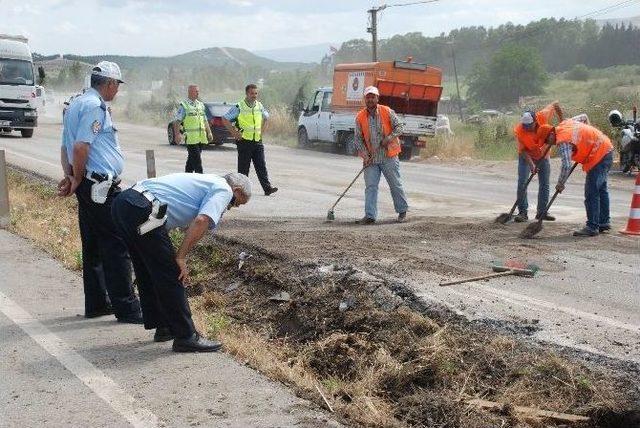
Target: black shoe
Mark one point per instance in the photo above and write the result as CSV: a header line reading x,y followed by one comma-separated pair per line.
x,y
163,334
521,218
547,217
402,217
365,220
100,312
604,229
195,343
270,191
132,319
585,231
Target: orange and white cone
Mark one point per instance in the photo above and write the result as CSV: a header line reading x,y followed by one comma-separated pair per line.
x,y
633,225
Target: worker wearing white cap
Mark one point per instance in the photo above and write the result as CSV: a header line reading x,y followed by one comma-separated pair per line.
x,y
92,163
533,157
377,143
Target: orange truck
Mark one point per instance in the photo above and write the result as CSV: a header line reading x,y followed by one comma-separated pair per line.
x,y
411,89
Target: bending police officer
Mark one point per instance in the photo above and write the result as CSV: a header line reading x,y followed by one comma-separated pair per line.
x,y
92,162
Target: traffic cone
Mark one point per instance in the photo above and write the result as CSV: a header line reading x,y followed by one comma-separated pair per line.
x,y
633,225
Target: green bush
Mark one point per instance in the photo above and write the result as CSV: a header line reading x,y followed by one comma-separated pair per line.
x,y
579,72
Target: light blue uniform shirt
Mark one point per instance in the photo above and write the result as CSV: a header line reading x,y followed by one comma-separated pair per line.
x,y
188,195
88,120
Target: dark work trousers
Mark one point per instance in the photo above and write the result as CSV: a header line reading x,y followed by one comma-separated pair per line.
x,y
253,151
106,267
162,294
194,158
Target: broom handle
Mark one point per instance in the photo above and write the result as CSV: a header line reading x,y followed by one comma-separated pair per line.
x,y
555,195
347,189
533,173
478,278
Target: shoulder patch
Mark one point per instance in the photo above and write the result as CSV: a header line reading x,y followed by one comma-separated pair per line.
x,y
95,127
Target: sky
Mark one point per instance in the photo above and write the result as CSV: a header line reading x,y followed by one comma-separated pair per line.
x,y
169,27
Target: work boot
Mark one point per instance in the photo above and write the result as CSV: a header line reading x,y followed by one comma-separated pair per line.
x,y
402,217
107,310
195,343
604,228
365,220
163,334
521,218
547,217
270,191
585,231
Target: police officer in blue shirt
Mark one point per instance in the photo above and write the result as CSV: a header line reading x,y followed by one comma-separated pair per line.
x,y
92,163
143,216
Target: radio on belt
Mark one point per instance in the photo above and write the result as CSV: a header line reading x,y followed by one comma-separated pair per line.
x,y
157,217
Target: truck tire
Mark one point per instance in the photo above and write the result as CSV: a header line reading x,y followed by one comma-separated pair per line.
x,y
303,138
349,144
407,152
26,133
170,136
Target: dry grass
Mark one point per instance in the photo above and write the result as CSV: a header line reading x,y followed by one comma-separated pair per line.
x,y
283,127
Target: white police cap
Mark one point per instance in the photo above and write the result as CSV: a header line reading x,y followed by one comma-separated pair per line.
x,y
108,69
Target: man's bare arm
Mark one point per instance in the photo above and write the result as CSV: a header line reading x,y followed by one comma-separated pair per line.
x,y
232,129
195,232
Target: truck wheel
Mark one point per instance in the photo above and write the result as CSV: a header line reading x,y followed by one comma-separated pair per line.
x,y
26,133
350,145
406,153
170,136
303,138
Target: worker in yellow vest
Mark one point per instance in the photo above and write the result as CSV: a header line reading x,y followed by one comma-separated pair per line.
x,y
252,118
377,143
197,132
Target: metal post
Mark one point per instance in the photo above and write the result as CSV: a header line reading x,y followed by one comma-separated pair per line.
x,y
374,34
455,72
151,164
4,193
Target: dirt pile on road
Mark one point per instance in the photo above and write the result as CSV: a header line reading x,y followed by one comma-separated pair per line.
x,y
379,361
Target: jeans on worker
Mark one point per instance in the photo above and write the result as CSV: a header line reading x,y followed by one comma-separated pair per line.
x,y
194,158
253,151
162,294
106,266
544,170
596,194
390,168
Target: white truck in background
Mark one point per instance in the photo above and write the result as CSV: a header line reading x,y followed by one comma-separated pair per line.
x,y
18,90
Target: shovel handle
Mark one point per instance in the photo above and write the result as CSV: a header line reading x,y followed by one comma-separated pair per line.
x,y
347,189
478,278
533,173
555,195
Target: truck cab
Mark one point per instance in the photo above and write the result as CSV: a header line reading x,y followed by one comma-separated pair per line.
x,y
18,91
315,120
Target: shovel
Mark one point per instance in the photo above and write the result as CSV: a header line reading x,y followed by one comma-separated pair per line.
x,y
534,228
500,270
505,217
330,215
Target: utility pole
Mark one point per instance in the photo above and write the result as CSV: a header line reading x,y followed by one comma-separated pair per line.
x,y
455,72
373,28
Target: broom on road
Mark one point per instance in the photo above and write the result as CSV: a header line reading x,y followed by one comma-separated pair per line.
x,y
505,217
331,215
534,228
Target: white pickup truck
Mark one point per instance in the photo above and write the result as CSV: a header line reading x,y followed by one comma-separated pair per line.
x,y
330,118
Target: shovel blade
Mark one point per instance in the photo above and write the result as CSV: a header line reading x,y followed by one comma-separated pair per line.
x,y
503,218
331,216
532,230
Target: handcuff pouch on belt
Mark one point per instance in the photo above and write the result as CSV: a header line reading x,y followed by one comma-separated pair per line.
x,y
101,186
157,217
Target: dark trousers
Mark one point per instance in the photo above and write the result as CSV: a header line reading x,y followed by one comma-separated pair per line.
x,y
106,267
162,294
194,158
596,194
253,151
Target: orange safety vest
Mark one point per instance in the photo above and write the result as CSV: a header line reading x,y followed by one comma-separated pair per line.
x,y
527,139
393,148
590,145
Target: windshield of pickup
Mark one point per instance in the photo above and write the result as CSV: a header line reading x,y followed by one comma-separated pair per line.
x,y
15,72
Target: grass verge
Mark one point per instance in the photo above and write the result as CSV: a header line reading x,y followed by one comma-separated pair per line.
x,y
378,359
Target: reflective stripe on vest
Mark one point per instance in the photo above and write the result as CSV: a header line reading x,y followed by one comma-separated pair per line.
x,y
590,145
393,148
193,122
250,121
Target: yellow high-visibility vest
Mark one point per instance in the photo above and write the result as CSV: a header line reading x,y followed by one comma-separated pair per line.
x,y
194,122
250,120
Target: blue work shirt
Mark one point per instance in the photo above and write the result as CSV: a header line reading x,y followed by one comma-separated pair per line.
x,y
88,120
233,113
189,195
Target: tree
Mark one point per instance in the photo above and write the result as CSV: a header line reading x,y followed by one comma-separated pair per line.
x,y
513,71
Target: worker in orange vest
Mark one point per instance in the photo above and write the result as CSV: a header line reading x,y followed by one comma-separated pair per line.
x,y
377,143
588,146
532,158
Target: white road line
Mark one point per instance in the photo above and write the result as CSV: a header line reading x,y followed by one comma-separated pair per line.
x,y
12,153
102,385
